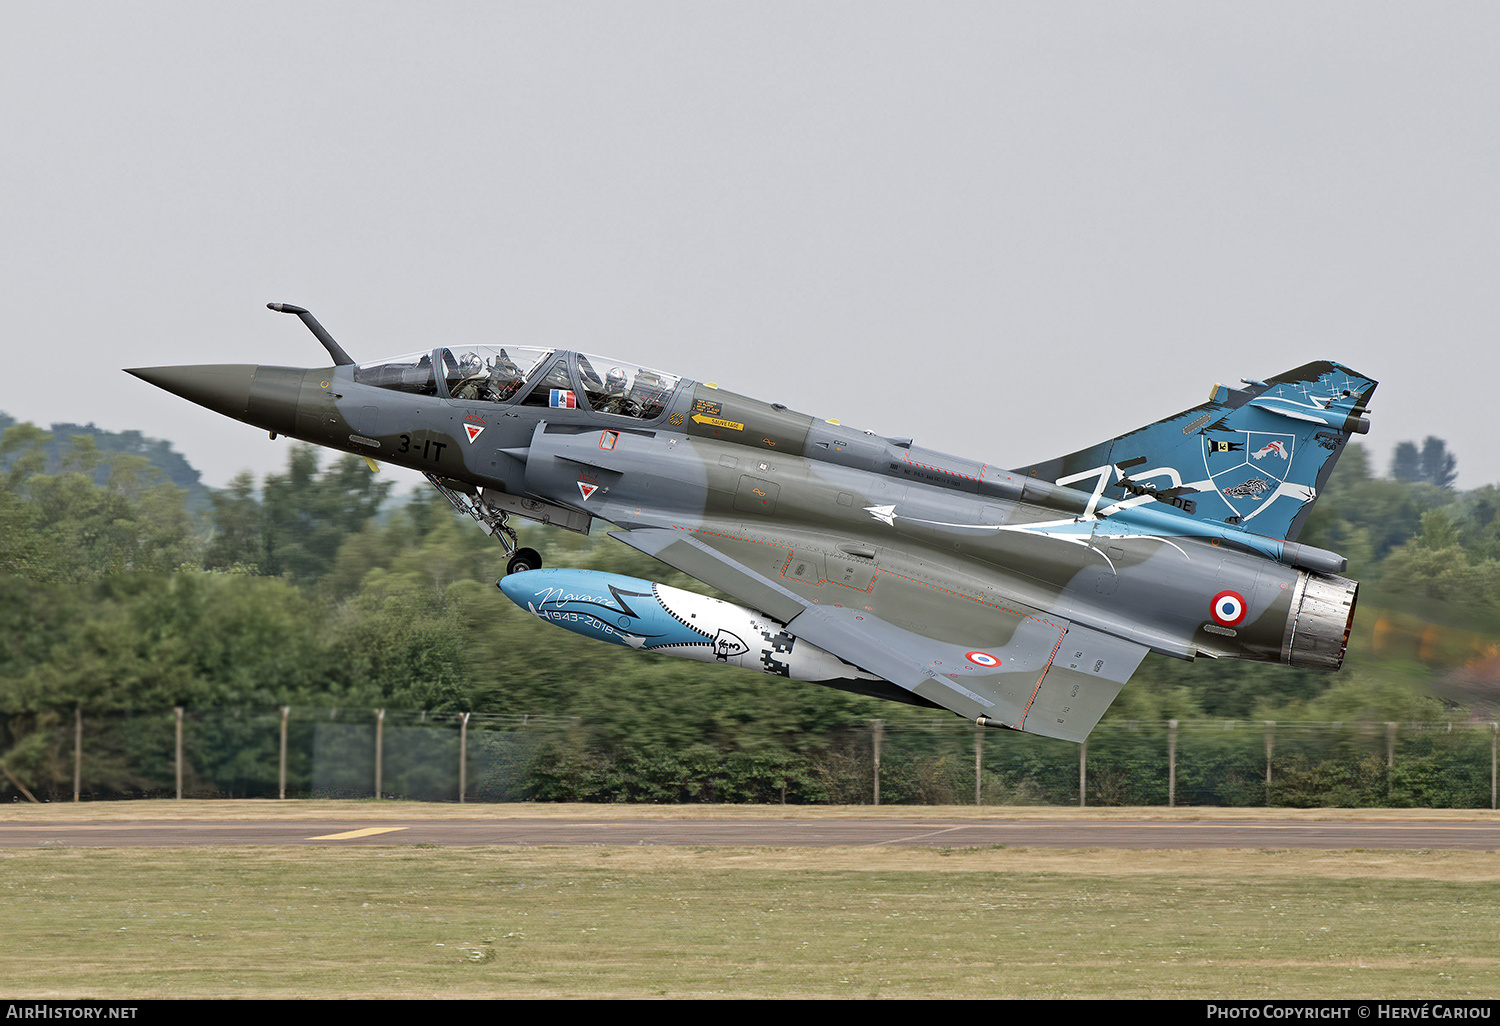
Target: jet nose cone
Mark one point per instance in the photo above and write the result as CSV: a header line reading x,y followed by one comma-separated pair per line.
x,y
221,387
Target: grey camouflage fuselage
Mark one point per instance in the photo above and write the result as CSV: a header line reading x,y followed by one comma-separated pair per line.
x,y
1022,598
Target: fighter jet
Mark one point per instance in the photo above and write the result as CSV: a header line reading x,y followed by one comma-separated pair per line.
x,y
1019,598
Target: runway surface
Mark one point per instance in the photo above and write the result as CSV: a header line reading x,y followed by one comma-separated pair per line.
x,y
801,832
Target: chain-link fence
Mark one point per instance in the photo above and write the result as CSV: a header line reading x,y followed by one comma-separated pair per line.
x,y
344,753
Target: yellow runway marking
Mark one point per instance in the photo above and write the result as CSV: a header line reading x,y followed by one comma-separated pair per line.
x,y
350,834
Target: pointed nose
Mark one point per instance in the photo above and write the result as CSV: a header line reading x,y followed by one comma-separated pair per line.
x,y
267,397
222,387
523,588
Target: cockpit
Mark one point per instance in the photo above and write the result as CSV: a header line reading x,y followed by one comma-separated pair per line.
x,y
526,376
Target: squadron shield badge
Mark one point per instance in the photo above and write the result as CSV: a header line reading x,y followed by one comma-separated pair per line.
x,y
1247,467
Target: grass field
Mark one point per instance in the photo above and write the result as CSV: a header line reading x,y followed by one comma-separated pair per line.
x,y
430,922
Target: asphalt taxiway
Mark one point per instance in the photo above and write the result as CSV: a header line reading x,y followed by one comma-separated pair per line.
x,y
576,827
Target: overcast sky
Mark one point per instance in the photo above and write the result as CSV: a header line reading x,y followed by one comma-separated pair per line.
x,y
1006,229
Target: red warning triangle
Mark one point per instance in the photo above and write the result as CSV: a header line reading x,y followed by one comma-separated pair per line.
x,y
474,430
587,489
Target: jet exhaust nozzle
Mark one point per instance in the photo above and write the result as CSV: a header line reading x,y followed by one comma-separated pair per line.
x,y
1321,618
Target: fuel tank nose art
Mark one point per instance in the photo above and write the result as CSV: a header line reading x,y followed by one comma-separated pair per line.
x,y
653,617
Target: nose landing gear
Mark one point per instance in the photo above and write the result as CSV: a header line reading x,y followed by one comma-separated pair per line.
x,y
495,521
523,560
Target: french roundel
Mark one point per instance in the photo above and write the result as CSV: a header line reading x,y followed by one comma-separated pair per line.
x,y
1229,608
982,659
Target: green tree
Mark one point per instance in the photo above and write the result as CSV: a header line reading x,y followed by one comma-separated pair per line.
x,y
1433,464
1435,577
239,527
1366,517
1406,464
1439,466
308,514
64,526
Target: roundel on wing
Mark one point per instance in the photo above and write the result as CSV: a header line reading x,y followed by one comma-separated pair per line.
x,y
982,659
1228,608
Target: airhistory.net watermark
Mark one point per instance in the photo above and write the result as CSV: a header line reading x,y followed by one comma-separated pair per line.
x,y
46,1010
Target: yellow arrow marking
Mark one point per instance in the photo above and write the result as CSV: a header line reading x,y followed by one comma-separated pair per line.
x,y
350,834
698,418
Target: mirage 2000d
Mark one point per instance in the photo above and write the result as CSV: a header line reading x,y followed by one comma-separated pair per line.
x,y
1019,598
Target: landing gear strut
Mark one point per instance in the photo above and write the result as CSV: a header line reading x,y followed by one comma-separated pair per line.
x,y
496,523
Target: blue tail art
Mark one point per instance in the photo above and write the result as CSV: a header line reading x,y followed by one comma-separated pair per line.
x,y
1253,458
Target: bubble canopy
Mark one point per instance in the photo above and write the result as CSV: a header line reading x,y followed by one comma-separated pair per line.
x,y
527,376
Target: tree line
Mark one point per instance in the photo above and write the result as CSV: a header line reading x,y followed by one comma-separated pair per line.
x,y
315,586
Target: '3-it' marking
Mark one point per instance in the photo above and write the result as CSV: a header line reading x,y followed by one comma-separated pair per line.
x,y
430,450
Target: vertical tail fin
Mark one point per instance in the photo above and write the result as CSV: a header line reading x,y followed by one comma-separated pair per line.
x,y
1256,457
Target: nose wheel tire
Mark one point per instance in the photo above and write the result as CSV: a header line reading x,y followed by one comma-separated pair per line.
x,y
524,560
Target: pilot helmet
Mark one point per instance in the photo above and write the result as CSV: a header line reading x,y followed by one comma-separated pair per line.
x,y
504,368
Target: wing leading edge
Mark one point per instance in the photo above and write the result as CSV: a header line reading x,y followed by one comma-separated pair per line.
x,y
1049,676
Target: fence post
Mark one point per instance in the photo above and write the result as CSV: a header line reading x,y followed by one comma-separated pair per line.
x,y
1171,764
978,760
463,757
1083,769
178,749
379,739
1390,756
281,762
77,749
1270,746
